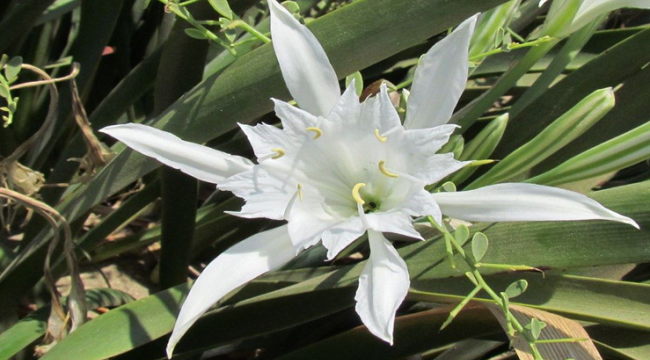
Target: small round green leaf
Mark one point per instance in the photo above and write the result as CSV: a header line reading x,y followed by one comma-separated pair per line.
x,y
536,327
13,68
479,246
222,7
449,186
292,6
461,234
516,288
358,82
195,33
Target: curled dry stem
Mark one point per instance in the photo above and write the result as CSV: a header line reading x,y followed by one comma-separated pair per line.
x,y
76,314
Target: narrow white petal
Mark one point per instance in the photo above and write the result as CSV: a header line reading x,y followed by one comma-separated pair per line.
x,y
383,285
347,109
524,202
200,161
307,71
428,141
395,222
591,9
339,236
264,138
236,266
437,167
294,119
422,203
440,79
267,193
388,118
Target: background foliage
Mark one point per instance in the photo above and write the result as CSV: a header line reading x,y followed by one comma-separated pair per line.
x,y
197,73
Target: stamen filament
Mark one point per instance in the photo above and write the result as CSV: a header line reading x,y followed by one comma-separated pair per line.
x,y
362,216
384,171
276,154
316,130
355,193
296,195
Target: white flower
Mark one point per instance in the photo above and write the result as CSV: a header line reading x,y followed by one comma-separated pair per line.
x,y
339,168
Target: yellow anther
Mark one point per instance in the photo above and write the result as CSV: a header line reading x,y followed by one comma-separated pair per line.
x,y
379,137
316,130
383,170
300,192
278,153
355,193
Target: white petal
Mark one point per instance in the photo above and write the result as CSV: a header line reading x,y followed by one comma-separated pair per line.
x,y
202,162
428,141
591,9
440,79
236,266
294,119
437,167
307,222
383,285
422,203
265,193
347,108
524,202
264,138
309,76
379,110
394,222
339,236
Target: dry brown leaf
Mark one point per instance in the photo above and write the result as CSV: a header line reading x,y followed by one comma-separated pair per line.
x,y
557,327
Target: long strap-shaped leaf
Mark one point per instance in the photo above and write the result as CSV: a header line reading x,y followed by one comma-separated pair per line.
x,y
353,37
557,245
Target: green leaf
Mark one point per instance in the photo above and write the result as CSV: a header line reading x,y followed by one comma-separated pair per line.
x,y
4,92
619,64
449,186
489,26
292,6
623,151
481,147
354,37
516,288
13,68
536,327
222,7
554,245
33,326
461,234
196,34
358,82
479,246
15,24
562,131
559,294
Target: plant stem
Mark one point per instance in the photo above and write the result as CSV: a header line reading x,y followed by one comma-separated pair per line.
x,y
471,263
251,30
